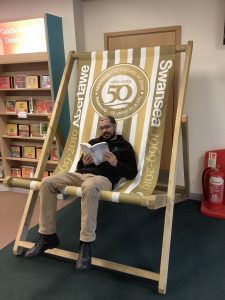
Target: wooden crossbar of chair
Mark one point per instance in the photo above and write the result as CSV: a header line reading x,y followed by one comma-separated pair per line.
x,y
154,201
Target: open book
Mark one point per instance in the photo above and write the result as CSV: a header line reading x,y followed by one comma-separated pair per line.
x,y
97,151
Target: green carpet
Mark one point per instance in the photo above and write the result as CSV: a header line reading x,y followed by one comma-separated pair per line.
x,y
130,235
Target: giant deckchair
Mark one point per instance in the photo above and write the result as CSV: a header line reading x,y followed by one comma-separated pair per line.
x,y
133,85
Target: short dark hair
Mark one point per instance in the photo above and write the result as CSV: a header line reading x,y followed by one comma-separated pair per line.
x,y
110,118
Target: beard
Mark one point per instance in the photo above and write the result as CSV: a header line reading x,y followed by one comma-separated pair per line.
x,y
107,136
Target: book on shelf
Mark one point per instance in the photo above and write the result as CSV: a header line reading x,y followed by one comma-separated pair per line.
x,y
24,129
20,81
32,82
43,129
1,170
27,171
29,152
54,153
45,82
97,151
12,129
38,152
35,130
15,150
39,106
10,106
16,172
21,106
46,173
48,105
5,82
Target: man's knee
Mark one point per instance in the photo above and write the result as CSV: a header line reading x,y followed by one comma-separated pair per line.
x,y
89,187
47,182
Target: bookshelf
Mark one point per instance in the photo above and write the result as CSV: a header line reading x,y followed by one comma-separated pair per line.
x,y
28,86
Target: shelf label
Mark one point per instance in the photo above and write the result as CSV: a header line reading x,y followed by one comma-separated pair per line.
x,y
22,114
24,36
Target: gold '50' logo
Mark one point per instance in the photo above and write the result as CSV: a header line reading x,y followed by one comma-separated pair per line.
x,y
120,91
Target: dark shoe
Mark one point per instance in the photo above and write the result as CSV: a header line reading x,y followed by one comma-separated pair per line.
x,y
84,258
46,242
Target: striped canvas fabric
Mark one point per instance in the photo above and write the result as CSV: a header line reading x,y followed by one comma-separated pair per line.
x,y
133,86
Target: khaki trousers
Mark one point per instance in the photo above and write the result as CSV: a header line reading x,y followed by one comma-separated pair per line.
x,y
90,184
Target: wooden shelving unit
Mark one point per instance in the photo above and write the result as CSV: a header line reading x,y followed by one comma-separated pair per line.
x,y
49,63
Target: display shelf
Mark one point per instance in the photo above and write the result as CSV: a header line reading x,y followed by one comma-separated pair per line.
x,y
27,66
28,138
30,160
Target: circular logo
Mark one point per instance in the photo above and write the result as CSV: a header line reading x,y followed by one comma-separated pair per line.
x,y
120,91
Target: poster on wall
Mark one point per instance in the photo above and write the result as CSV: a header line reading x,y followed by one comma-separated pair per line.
x,y
24,36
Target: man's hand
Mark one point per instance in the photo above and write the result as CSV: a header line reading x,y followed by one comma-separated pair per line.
x,y
87,159
111,158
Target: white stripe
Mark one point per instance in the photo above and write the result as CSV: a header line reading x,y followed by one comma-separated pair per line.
x,y
117,56
143,58
78,191
119,127
94,127
129,56
115,197
136,181
84,111
33,184
133,128
119,123
104,60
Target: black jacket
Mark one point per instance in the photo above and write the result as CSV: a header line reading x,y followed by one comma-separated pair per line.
x,y
126,166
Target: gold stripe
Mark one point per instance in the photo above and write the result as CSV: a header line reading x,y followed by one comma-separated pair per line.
x,y
123,56
142,112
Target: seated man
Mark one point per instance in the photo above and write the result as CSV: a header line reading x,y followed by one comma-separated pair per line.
x,y
118,162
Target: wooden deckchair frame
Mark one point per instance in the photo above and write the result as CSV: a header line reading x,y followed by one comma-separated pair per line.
x,y
173,193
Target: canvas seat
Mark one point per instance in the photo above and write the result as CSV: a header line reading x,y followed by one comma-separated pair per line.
x,y
133,85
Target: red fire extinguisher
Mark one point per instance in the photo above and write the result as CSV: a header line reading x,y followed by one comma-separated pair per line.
x,y
213,187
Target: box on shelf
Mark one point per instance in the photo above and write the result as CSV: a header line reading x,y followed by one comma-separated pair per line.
x,y
12,129
27,171
24,129
21,106
10,106
15,150
45,82
35,130
15,172
29,151
5,82
20,81
32,82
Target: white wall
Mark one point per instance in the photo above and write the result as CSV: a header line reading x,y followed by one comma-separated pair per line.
x,y
203,22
